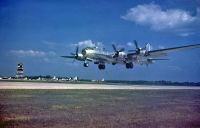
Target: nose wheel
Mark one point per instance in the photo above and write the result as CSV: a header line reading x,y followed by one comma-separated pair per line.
x,y
101,66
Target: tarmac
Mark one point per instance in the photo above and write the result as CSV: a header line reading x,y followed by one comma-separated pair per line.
x,y
35,85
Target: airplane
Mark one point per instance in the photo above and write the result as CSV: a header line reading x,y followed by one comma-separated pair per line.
x,y
138,56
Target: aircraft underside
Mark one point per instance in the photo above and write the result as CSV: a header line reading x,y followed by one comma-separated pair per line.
x,y
102,66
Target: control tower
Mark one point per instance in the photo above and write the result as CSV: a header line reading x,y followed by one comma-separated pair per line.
x,y
20,71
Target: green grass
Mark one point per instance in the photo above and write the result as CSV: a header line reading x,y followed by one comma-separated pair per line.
x,y
100,108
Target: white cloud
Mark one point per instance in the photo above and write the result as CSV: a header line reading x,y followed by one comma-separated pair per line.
x,y
130,44
88,43
51,53
32,53
147,45
156,18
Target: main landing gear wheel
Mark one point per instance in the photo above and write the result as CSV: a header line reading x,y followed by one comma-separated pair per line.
x,y
101,66
129,65
113,63
85,64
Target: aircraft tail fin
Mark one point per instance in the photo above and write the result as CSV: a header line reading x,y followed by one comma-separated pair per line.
x,y
148,47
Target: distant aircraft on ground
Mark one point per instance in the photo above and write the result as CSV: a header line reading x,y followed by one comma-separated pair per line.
x,y
129,59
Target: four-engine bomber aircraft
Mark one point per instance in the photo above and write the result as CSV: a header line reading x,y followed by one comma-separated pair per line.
x,y
138,56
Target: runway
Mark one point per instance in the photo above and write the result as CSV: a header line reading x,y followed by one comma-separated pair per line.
x,y
34,85
53,105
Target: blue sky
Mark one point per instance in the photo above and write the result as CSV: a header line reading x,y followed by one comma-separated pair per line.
x,y
37,32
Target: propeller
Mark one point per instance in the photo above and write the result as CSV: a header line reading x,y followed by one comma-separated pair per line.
x,y
76,53
136,47
76,56
117,51
140,51
137,50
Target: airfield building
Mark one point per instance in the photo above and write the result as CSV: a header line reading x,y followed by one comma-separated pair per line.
x,y
20,71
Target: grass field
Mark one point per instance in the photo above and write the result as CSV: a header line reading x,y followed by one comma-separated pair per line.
x,y
100,108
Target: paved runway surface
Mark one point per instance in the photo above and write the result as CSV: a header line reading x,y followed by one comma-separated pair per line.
x,y
29,85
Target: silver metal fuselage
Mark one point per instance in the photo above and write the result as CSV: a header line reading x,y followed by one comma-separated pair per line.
x,y
107,57
104,56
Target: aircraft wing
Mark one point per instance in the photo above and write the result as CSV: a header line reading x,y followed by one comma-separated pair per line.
x,y
68,56
164,52
151,59
81,59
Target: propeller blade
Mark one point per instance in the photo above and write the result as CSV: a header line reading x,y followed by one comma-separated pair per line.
x,y
114,47
136,44
137,48
117,51
77,51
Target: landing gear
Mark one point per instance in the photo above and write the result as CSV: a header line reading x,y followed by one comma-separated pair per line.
x,y
113,63
101,66
85,64
129,65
